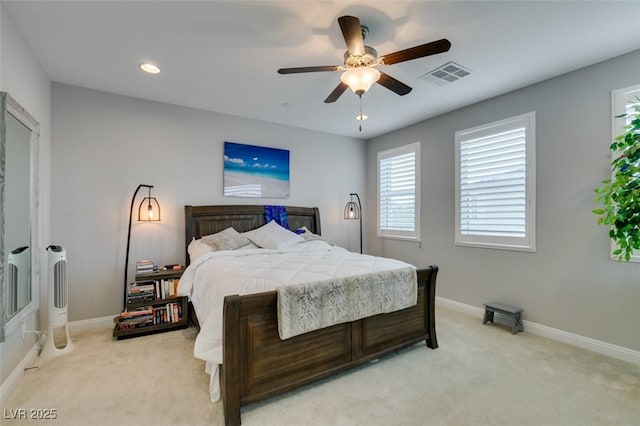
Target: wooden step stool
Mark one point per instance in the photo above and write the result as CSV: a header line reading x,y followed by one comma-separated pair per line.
x,y
513,313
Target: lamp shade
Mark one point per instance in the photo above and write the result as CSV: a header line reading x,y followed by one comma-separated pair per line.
x,y
360,79
352,211
149,210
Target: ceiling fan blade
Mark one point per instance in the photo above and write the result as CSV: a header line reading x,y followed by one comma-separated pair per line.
x,y
435,47
394,85
337,92
308,69
352,33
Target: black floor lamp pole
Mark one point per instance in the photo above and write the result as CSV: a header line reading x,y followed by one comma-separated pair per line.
x,y
126,261
360,219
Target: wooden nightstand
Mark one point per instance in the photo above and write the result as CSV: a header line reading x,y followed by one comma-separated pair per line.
x,y
152,306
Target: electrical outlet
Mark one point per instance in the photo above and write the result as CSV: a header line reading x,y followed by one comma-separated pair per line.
x,y
24,329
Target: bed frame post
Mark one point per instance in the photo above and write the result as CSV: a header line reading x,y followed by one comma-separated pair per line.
x,y
229,378
430,290
189,229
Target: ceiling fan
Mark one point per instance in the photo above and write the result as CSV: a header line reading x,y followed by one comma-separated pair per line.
x,y
360,62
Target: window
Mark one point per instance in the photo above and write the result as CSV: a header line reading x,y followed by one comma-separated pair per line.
x,y
495,185
399,192
622,102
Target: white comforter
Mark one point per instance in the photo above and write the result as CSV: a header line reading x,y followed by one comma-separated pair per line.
x,y
215,275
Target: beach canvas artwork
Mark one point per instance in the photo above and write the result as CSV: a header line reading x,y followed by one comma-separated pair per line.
x,y
255,171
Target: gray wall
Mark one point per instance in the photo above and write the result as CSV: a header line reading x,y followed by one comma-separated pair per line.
x,y
104,145
24,79
570,283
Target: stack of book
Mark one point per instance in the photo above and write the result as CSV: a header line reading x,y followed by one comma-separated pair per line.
x,y
141,317
141,291
144,266
149,315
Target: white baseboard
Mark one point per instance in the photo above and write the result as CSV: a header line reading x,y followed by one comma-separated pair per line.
x,y
604,348
91,324
460,307
16,375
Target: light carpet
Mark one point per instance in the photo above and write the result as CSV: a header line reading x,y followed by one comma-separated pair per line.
x,y
480,375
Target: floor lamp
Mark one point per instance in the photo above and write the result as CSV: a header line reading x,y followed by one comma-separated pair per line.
x,y
353,211
146,213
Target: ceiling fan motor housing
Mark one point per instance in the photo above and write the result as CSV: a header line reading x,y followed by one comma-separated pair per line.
x,y
369,58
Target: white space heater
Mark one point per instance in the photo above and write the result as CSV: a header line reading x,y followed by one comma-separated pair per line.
x,y
58,341
18,285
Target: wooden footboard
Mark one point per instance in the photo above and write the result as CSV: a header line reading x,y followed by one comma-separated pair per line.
x,y
257,364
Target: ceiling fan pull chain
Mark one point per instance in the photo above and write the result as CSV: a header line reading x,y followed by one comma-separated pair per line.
x,y
361,116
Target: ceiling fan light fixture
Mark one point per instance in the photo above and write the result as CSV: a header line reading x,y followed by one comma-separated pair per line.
x,y
360,79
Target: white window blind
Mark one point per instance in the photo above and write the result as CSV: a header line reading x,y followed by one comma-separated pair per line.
x,y
398,192
494,188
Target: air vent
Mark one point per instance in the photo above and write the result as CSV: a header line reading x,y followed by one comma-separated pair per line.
x,y
445,74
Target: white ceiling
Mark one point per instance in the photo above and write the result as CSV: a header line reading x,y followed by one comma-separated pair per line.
x,y
223,56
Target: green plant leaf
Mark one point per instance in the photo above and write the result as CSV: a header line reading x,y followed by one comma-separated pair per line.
x,y
619,196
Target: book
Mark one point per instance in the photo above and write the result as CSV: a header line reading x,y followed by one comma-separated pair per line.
x,y
136,313
176,315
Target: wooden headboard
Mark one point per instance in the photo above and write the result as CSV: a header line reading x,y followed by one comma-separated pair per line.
x,y
205,220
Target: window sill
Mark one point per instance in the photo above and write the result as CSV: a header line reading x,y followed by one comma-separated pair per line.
x,y
510,247
395,237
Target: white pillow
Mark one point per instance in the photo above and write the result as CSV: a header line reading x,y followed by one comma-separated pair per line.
x,y
273,236
228,239
197,248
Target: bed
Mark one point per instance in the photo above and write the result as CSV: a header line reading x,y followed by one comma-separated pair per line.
x,y
256,362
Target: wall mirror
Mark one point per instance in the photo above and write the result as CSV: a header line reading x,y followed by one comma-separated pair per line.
x,y
19,254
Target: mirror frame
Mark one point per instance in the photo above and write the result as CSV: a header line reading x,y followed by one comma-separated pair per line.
x,y
8,105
